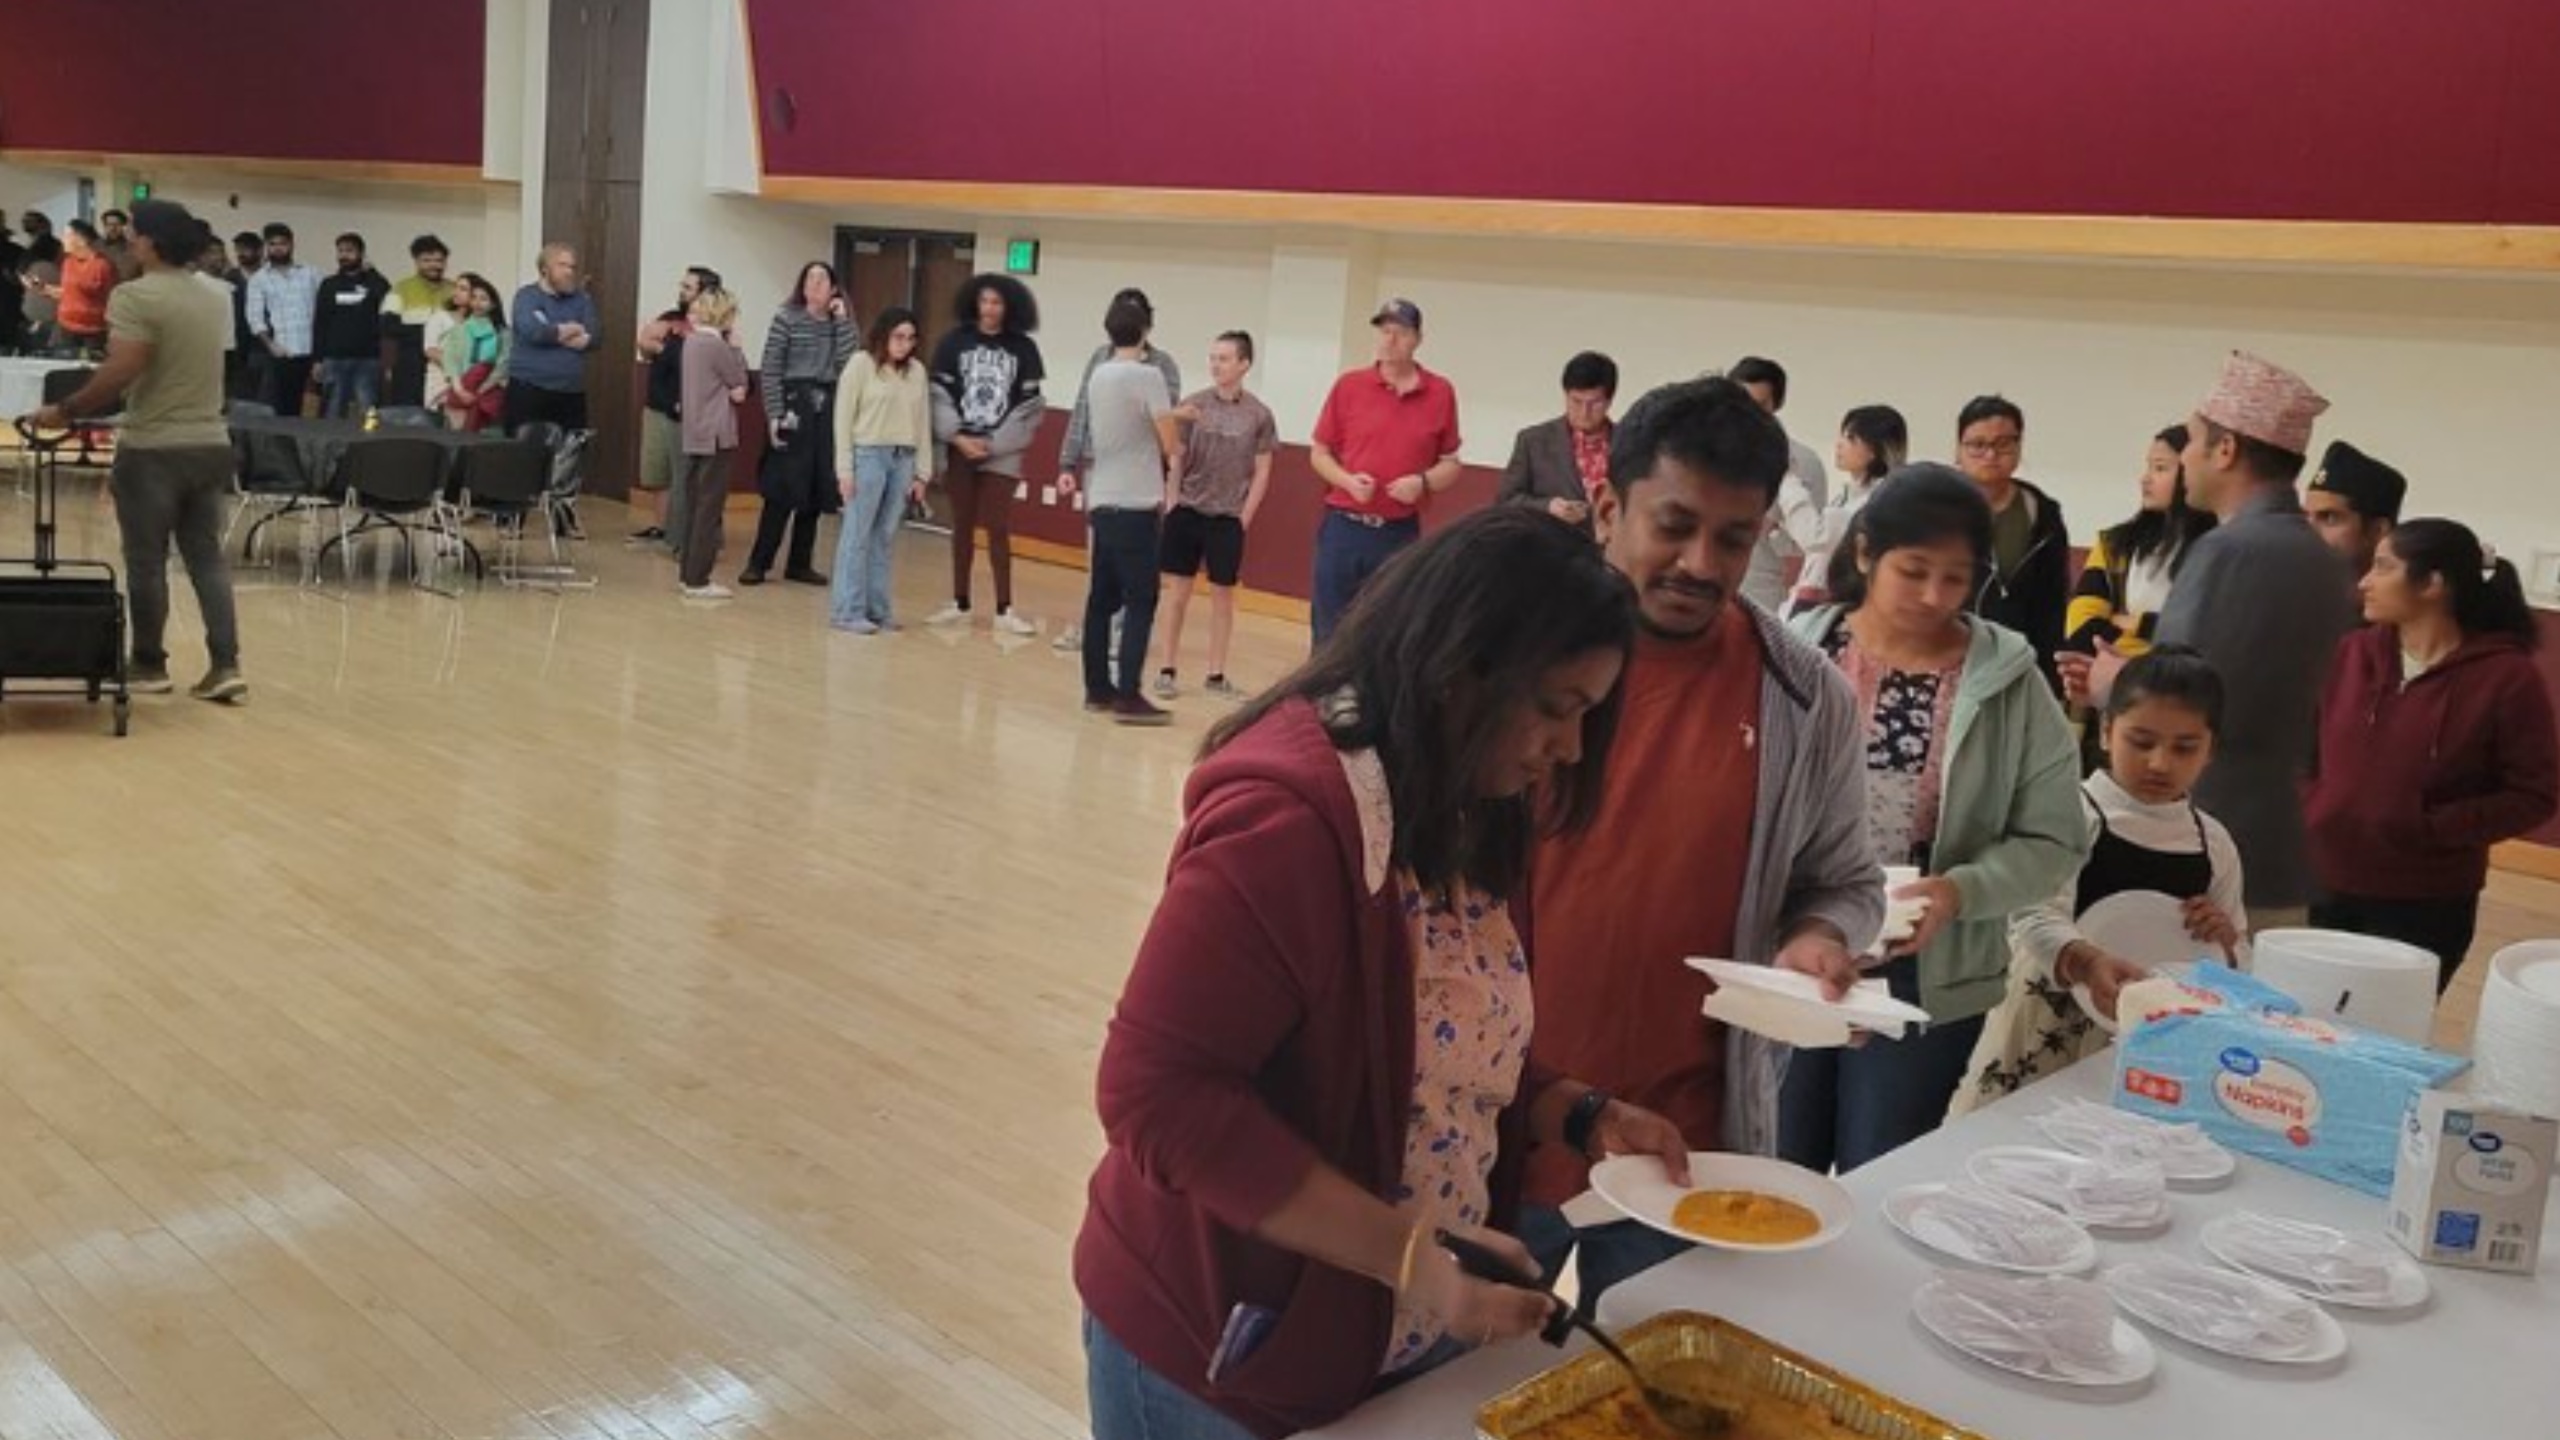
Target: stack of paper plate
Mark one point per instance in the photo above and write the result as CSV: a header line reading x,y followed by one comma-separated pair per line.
x,y
2516,1048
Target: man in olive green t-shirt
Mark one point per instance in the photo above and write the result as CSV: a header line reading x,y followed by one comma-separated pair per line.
x,y
173,451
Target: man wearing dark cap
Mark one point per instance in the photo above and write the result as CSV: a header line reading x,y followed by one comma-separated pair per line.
x,y
2353,500
165,331
1386,442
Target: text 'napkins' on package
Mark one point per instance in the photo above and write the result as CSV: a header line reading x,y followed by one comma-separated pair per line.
x,y
2236,1058
2475,1179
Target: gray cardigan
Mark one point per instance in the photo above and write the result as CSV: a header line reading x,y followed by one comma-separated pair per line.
x,y
2265,601
1810,856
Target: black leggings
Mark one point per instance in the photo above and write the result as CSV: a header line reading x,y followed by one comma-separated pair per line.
x,y
2442,928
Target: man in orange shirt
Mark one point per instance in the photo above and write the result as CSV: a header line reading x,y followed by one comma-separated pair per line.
x,y
1734,823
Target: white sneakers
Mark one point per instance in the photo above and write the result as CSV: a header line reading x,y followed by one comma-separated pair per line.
x,y
712,591
948,615
1009,623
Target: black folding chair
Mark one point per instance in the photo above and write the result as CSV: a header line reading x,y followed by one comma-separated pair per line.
x,y
509,480
408,417
389,479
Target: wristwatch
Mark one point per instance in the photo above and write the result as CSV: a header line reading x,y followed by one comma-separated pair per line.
x,y
1584,1114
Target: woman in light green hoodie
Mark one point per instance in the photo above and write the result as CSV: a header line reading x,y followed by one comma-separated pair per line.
x,y
1972,776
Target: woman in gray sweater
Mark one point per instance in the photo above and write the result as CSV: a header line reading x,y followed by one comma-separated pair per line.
x,y
812,337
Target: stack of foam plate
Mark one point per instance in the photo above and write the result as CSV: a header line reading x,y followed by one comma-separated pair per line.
x,y
2378,985
2516,1047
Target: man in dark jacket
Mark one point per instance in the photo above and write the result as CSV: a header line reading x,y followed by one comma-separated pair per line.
x,y
2029,586
346,333
1562,465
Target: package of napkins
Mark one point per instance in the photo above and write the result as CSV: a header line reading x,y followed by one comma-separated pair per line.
x,y
2221,1051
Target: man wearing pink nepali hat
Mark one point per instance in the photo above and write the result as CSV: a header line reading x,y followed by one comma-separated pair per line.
x,y
2266,600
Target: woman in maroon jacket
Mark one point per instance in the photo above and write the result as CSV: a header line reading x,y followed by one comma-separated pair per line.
x,y
1320,1059
2436,742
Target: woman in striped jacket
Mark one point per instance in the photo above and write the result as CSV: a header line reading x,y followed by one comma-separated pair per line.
x,y
812,337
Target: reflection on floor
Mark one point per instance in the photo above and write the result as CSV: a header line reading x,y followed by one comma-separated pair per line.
x,y
573,1015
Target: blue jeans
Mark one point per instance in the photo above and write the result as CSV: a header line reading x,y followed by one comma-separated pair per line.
x,y
1846,1107
1611,1253
868,533
1131,1402
1126,548
1347,554
349,388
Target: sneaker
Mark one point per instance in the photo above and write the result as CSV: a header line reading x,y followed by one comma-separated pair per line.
x,y
1009,623
1071,638
644,537
1138,710
149,680
750,577
1166,686
856,627
1219,687
804,577
221,684
951,614
713,591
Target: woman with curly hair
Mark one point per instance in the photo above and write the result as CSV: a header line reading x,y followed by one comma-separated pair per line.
x,y
986,409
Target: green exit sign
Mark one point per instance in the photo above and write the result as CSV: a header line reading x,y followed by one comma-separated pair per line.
x,y
1022,257
141,191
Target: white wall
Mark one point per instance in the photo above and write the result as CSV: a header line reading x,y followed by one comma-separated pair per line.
x,y
2449,377
2445,377
698,119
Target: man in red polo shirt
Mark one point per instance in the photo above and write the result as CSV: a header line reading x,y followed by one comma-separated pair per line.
x,y
1386,443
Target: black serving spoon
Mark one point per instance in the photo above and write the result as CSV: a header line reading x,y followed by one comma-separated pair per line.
x,y
1679,1413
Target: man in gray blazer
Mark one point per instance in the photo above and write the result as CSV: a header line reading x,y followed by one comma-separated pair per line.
x,y
1559,465
2265,600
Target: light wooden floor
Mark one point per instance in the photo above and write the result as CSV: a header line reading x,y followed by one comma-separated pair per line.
x,y
578,1016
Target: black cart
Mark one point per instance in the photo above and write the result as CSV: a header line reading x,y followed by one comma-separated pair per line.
x,y
60,620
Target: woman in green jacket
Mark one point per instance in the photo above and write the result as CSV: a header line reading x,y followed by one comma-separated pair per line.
x,y
1972,776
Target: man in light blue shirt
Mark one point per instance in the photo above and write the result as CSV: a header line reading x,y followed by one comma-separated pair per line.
x,y
282,299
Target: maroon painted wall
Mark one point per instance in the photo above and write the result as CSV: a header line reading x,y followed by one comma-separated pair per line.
x,y
2269,109
281,80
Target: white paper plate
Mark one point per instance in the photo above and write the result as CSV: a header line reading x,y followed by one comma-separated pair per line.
x,y
2188,1166
2328,1340
1902,1209
1987,1168
1786,1005
2136,1352
2147,927
1637,1185
2409,1287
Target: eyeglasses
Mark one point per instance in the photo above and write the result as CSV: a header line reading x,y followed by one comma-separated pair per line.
x,y
1985,449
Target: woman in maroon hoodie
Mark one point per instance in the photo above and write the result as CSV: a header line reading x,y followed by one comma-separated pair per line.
x,y
2436,742
1320,1059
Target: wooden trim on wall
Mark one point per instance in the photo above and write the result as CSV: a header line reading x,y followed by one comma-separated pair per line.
x,y
2097,237
2523,857
343,171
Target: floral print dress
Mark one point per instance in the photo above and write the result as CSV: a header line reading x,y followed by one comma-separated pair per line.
x,y
1908,716
1472,1017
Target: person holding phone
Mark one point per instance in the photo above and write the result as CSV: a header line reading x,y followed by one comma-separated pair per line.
x,y
1320,1063
1561,465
